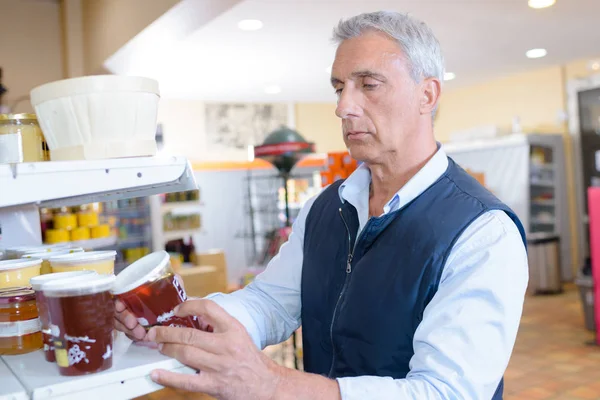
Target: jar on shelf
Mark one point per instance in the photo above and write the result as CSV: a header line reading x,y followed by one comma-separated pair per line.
x,y
20,329
21,139
65,220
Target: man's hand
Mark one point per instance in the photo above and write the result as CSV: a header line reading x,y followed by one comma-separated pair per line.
x,y
126,322
230,365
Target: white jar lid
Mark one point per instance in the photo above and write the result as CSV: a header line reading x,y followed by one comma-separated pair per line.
x,y
141,271
87,257
19,263
78,285
38,281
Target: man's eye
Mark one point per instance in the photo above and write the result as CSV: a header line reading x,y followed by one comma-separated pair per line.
x,y
370,86
338,91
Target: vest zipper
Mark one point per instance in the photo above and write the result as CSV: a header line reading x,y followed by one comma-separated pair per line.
x,y
348,271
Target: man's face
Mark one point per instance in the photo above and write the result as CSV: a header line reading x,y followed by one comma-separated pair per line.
x,y
379,102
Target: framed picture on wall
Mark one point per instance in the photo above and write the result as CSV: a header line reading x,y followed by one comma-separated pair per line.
x,y
231,128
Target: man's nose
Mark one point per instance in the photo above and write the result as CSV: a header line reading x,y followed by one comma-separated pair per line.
x,y
349,104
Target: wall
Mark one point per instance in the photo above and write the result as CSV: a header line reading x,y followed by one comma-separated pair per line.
x,y
183,128
30,47
318,123
110,24
536,97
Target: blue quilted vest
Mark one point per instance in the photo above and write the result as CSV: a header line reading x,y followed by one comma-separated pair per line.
x,y
362,300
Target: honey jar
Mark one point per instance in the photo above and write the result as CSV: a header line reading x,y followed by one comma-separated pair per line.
x,y
20,328
21,139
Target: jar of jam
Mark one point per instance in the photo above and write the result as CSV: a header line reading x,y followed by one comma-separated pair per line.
x,y
81,314
20,329
42,306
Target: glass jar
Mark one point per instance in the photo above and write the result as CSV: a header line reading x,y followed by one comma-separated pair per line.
x,y
20,329
21,139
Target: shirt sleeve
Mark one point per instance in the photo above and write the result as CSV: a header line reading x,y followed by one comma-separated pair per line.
x,y
270,306
464,342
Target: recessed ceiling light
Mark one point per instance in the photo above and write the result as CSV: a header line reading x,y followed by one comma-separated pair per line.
x,y
594,65
536,53
448,76
273,89
541,3
250,24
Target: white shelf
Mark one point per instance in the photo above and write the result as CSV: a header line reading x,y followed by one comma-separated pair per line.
x,y
128,378
99,243
64,183
180,234
542,183
182,208
11,388
539,221
543,203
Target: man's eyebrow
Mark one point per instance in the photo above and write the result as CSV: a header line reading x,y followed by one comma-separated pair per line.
x,y
360,74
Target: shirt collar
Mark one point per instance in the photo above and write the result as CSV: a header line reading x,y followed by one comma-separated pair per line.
x,y
357,184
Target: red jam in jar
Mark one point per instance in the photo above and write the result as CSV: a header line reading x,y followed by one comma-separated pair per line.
x,y
150,290
81,323
20,330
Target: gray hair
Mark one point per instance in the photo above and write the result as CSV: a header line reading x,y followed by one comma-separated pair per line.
x,y
415,38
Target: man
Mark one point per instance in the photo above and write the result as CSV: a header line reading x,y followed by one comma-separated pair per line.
x,y
408,277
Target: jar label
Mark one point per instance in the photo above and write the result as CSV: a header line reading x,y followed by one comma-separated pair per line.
x,y
11,148
20,328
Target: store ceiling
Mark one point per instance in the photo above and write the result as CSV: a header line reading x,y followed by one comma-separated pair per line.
x,y
197,51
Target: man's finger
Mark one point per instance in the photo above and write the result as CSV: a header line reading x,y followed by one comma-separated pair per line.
x,y
200,383
137,333
193,357
210,312
187,336
119,306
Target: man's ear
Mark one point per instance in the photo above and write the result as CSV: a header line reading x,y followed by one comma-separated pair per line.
x,y
431,89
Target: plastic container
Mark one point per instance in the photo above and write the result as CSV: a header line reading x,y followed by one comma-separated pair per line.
x,y
97,117
100,231
87,218
46,255
80,233
42,306
56,236
13,253
81,313
65,221
149,289
19,323
15,273
21,139
103,262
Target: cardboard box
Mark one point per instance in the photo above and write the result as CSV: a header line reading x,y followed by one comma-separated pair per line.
x,y
203,280
216,258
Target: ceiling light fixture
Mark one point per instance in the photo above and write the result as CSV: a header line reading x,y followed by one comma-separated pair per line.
x,y
594,65
250,24
541,3
273,89
448,76
536,53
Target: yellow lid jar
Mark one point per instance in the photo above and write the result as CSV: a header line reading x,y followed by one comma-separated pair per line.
x,y
21,139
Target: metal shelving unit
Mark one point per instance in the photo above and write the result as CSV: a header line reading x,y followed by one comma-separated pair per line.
x,y
548,207
27,186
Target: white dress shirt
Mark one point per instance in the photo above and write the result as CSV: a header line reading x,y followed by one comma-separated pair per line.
x,y
464,342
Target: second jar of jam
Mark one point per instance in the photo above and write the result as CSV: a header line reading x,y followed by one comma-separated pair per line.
x,y
20,329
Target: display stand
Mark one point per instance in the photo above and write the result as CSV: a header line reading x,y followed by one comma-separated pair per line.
x,y
27,186
594,223
128,378
10,387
